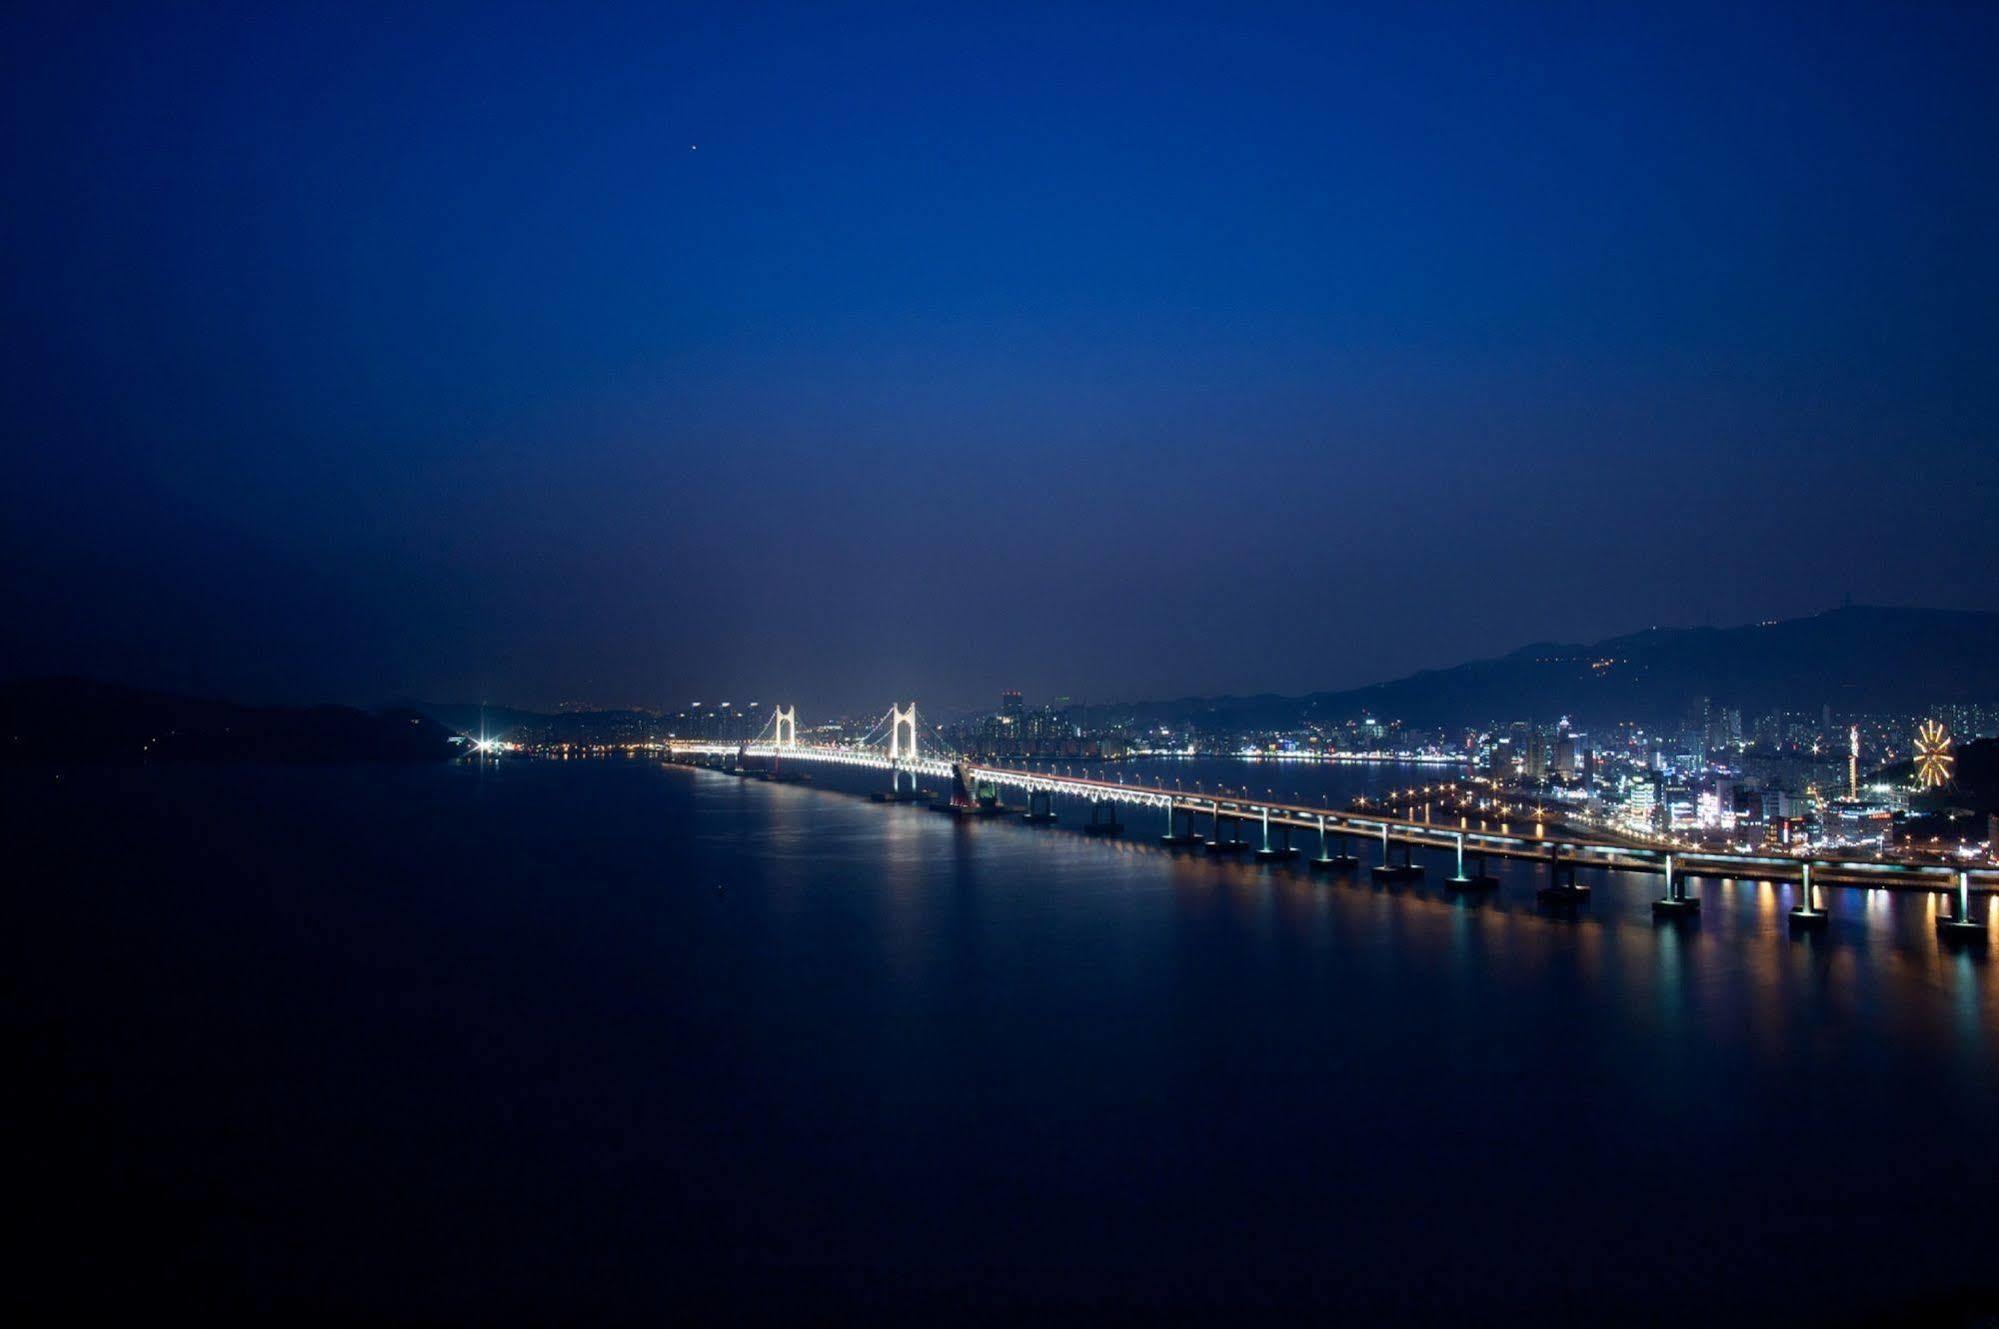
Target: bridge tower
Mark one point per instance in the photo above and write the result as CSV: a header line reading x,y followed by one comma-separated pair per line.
x,y
787,727
902,721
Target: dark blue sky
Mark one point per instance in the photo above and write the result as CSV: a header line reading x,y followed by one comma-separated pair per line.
x,y
376,352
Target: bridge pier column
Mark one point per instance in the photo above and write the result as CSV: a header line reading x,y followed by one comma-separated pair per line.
x,y
1466,880
1327,860
895,794
1272,853
1482,876
1103,818
1330,861
1040,806
1234,844
1962,926
1677,904
1807,917
1396,864
1561,888
1175,837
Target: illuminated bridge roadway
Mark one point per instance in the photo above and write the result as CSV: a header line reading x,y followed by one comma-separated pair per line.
x,y
976,788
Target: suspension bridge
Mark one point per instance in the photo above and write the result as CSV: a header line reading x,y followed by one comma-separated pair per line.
x,y
1266,829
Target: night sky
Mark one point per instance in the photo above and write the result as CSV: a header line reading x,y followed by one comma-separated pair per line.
x,y
634,355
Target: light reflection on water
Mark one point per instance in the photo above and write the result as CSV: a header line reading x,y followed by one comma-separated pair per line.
x,y
1875,936
832,1044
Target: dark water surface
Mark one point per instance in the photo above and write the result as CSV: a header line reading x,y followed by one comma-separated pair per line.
x,y
605,1040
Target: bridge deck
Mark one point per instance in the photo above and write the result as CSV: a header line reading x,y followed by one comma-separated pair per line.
x,y
1581,849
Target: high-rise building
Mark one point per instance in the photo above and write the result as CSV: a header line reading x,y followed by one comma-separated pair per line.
x,y
1969,722
1534,761
1641,801
1695,728
1722,728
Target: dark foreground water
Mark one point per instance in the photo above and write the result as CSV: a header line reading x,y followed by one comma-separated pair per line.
x,y
587,1041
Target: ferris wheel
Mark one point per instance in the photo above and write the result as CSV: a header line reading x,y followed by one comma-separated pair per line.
x,y
1933,759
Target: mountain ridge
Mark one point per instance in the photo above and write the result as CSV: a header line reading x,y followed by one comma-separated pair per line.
x,y
76,719
1854,658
